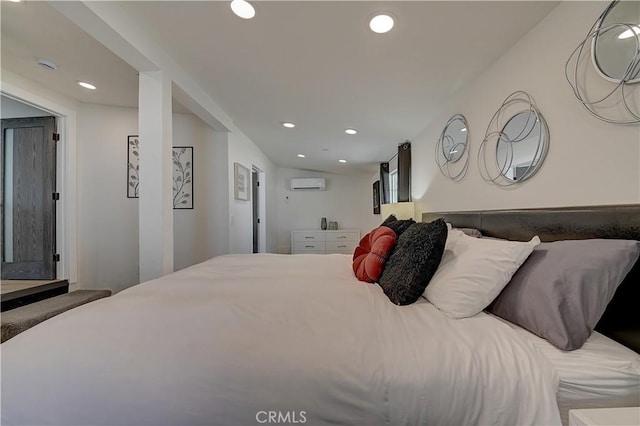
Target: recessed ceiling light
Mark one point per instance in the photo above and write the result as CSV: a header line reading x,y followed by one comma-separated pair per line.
x,y
87,85
342,161
15,1
288,125
381,23
301,155
350,131
47,64
243,9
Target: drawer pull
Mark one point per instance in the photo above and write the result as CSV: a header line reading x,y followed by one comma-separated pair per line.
x,y
342,237
309,246
309,238
342,246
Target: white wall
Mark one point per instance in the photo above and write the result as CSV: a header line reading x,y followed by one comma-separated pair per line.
x,y
347,200
201,233
107,219
107,235
245,152
11,108
589,162
216,177
189,240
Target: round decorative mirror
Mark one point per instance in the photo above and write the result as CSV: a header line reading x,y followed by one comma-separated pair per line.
x,y
452,146
522,146
513,152
616,42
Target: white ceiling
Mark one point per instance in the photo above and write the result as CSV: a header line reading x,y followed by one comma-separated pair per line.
x,y
32,30
314,63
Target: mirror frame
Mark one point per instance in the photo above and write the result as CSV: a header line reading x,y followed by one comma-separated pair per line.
x,y
488,165
594,42
445,161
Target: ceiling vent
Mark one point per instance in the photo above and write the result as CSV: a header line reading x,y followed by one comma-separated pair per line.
x,y
47,64
309,183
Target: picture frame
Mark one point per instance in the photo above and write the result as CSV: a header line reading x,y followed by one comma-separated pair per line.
x,y
133,166
182,159
376,197
241,182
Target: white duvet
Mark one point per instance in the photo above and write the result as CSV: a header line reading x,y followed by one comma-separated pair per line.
x,y
240,338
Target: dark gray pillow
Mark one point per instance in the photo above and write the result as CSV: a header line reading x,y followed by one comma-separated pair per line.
x,y
563,288
414,261
397,225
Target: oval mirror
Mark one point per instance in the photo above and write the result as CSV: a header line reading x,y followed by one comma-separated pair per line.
x,y
454,138
617,42
522,146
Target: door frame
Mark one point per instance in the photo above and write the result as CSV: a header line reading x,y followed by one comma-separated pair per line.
x,y
66,208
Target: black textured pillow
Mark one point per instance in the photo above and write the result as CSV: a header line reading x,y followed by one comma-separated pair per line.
x,y
414,261
398,226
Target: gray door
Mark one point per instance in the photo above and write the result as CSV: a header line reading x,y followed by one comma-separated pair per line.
x,y
256,219
28,206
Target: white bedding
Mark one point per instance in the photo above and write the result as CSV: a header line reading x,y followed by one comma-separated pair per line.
x,y
601,374
220,342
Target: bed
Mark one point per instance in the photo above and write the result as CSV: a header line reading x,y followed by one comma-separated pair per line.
x,y
235,340
605,372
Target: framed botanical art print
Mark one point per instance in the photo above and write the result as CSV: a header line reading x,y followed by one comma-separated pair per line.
x,y
241,182
133,166
182,157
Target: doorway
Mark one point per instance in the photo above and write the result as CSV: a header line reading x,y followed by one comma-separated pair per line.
x,y
28,198
258,209
255,184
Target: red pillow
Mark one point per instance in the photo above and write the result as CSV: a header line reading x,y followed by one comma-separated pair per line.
x,y
372,252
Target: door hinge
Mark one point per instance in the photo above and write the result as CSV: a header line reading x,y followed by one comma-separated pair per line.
x,y
56,196
56,257
56,137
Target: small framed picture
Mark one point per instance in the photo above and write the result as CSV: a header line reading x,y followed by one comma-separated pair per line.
x,y
376,197
133,166
241,182
182,158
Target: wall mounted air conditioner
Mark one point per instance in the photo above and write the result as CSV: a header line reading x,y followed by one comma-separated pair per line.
x,y
309,183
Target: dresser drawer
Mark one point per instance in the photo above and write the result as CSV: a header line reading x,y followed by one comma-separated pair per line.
x,y
308,247
343,236
340,246
308,236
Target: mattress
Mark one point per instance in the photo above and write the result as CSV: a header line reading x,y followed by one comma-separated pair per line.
x,y
238,338
601,374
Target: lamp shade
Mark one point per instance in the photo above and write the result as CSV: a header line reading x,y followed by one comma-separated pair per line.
x,y
400,210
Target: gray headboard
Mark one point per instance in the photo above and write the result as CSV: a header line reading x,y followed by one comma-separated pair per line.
x,y
621,321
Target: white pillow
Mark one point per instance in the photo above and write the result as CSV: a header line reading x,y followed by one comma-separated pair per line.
x,y
473,271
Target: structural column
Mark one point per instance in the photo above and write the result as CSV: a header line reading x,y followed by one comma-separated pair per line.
x,y
155,214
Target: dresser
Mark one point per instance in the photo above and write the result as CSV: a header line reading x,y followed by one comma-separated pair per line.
x,y
324,242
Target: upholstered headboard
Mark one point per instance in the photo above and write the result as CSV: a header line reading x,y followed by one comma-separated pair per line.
x,y
621,321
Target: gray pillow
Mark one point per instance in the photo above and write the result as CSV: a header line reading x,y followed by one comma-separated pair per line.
x,y
472,232
398,226
413,261
563,288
